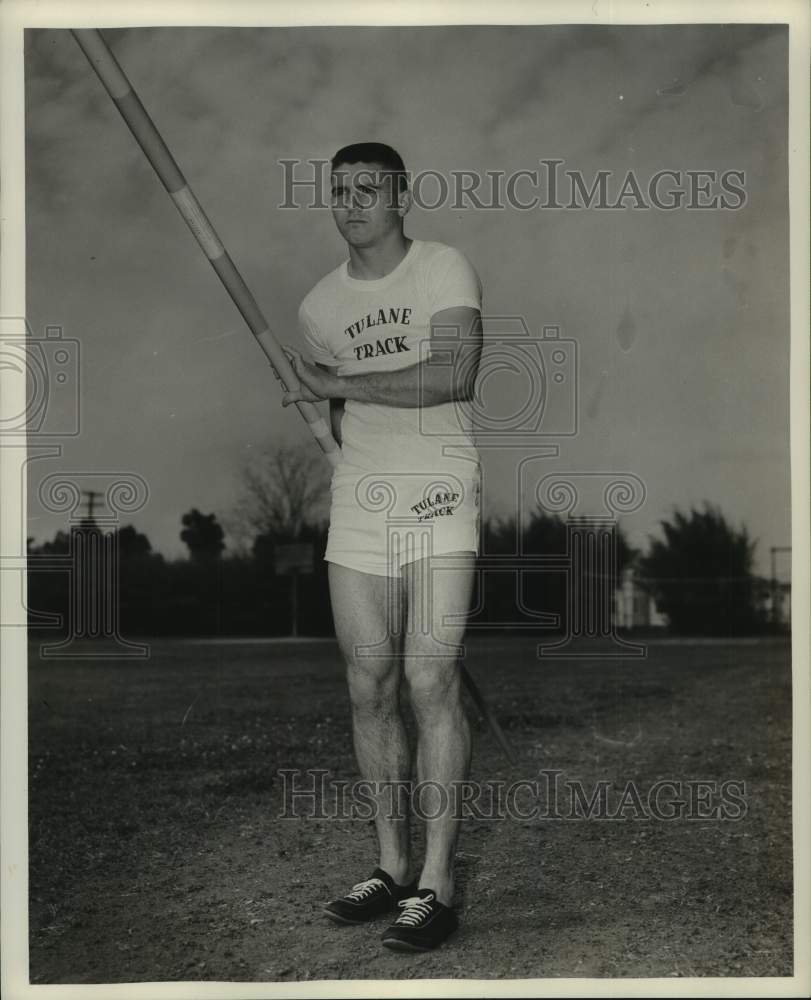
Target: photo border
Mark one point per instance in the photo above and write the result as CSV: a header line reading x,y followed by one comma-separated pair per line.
x,y
15,16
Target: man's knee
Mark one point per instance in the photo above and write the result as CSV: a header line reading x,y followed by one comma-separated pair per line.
x,y
433,684
373,683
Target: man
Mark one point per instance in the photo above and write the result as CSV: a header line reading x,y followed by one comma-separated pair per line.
x,y
395,333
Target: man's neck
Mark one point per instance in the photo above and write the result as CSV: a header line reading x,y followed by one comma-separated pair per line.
x,y
369,263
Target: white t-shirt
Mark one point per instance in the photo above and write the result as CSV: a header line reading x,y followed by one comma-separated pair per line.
x,y
360,326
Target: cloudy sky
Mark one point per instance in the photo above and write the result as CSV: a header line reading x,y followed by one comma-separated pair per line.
x,y
681,317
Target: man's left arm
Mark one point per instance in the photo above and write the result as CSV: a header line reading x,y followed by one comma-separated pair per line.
x,y
447,376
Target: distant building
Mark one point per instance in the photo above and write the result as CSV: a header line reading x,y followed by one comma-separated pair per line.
x,y
773,600
633,606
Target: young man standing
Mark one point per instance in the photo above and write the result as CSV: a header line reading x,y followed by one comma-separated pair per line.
x,y
395,334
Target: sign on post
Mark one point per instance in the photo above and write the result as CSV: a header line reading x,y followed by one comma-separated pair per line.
x,y
291,559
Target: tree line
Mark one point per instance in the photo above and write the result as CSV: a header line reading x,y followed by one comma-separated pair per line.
x,y
699,569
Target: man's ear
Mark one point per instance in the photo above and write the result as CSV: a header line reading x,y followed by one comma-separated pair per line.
x,y
404,203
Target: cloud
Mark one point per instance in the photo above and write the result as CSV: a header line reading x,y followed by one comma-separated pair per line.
x,y
110,259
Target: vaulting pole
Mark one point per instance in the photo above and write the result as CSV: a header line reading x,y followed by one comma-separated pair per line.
x,y
156,151
149,139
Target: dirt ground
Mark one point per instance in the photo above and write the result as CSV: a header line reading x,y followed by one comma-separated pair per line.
x,y
157,851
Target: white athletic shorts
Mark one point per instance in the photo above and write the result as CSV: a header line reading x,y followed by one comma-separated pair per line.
x,y
381,521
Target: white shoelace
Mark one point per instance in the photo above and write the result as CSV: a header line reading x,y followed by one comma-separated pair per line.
x,y
365,889
415,910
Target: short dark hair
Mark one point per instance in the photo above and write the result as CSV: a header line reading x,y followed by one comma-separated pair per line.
x,y
374,152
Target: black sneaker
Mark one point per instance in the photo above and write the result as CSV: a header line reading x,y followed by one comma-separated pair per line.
x,y
368,899
423,924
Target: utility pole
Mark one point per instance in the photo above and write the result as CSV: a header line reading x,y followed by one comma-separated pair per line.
x,y
92,496
774,585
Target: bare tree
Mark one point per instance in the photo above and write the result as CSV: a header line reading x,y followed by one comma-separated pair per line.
x,y
283,491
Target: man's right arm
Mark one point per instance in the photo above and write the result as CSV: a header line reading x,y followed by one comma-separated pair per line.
x,y
336,407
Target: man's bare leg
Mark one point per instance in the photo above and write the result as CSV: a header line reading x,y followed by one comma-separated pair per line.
x,y
367,610
436,588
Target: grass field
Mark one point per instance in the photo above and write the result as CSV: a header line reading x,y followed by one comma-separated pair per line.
x,y
157,851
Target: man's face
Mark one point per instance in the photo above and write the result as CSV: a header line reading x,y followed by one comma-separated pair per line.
x,y
365,204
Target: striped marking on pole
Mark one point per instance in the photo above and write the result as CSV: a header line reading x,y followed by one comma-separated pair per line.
x,y
196,219
133,112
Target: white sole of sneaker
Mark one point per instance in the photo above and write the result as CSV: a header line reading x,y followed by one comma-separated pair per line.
x,y
338,919
395,945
